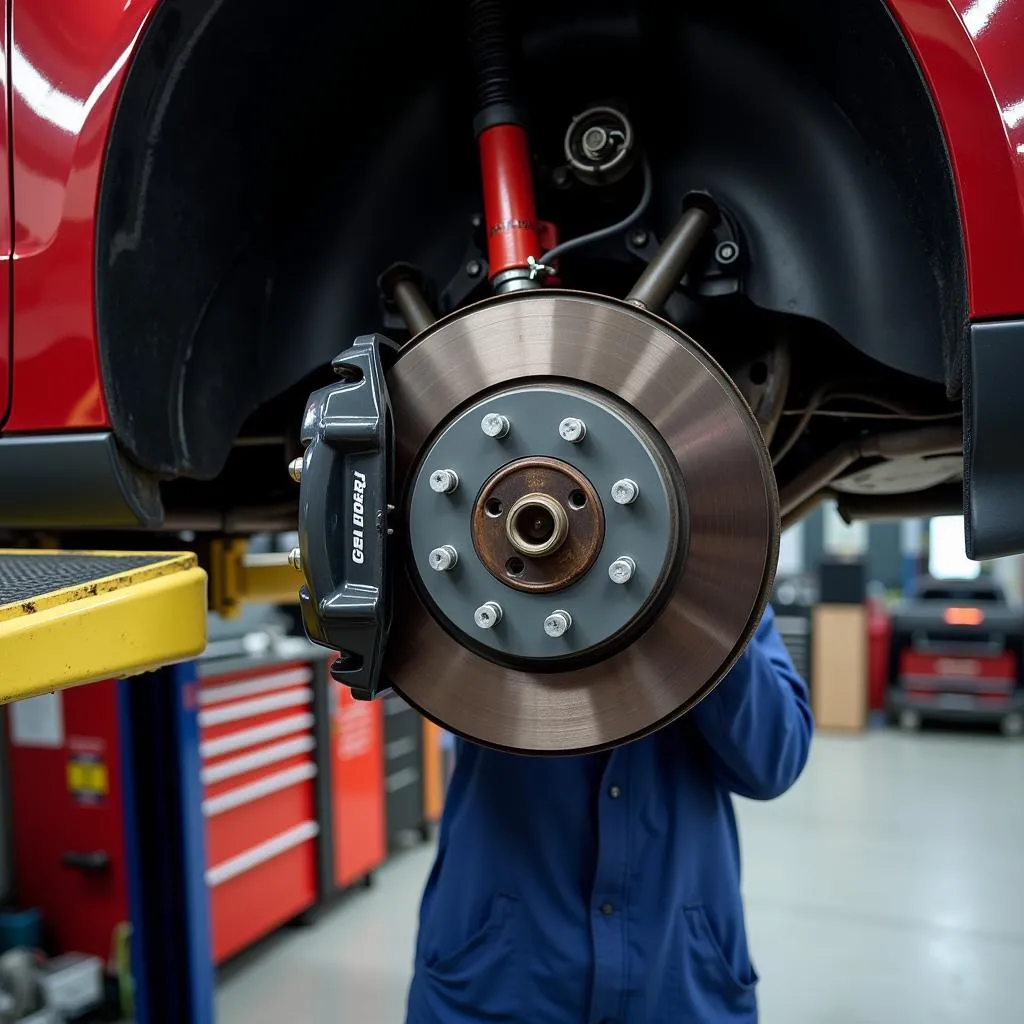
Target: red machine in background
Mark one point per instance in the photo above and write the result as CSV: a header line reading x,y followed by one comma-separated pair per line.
x,y
879,644
956,655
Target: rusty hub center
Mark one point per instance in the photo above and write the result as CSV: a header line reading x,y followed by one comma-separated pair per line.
x,y
538,525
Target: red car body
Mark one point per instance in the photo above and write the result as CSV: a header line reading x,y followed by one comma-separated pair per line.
x,y
66,62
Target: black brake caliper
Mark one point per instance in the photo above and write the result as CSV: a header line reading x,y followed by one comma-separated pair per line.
x,y
347,480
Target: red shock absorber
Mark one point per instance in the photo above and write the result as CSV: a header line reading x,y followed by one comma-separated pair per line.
x,y
510,210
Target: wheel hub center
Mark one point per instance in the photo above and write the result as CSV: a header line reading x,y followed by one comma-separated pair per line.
x,y
537,524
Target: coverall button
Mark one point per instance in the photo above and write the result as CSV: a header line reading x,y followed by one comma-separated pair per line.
x,y
615,792
607,908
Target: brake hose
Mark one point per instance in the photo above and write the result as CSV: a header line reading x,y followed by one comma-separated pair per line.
x,y
572,244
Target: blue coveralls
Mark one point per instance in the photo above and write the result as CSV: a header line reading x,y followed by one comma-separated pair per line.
x,y
605,889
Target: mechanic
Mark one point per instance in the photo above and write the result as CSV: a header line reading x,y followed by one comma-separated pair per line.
x,y
605,888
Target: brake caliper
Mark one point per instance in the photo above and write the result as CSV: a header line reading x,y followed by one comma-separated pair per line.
x,y
344,502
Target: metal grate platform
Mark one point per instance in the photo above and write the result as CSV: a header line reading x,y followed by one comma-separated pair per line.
x,y
70,617
26,576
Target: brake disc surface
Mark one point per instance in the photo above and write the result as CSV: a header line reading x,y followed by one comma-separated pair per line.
x,y
566,591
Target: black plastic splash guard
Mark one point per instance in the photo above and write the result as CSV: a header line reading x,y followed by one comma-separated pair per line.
x,y
344,500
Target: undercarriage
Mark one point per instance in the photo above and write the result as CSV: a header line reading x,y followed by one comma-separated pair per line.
x,y
545,502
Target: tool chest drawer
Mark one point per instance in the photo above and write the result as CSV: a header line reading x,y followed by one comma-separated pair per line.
x,y
258,754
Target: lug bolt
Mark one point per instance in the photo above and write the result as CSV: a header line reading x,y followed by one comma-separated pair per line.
x,y
622,569
495,425
443,559
488,615
625,491
295,559
295,469
444,481
639,238
558,623
572,430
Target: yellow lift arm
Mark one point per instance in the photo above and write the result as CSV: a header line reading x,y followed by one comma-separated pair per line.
x,y
69,617
238,578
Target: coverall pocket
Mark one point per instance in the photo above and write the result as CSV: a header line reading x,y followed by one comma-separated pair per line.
x,y
481,979
716,980
481,944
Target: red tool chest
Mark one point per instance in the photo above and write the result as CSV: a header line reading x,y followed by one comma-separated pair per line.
x,y
259,766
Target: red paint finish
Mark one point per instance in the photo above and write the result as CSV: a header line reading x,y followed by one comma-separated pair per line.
x,y
233,832
80,909
509,207
357,784
5,236
67,66
972,55
252,905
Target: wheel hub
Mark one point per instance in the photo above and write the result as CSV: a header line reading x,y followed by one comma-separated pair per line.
x,y
527,525
538,525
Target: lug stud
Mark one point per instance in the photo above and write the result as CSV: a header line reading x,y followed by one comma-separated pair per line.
x,y
558,623
625,491
295,559
622,569
443,559
444,481
488,615
495,425
572,429
295,469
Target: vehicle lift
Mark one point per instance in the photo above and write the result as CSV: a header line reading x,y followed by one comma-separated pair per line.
x,y
69,618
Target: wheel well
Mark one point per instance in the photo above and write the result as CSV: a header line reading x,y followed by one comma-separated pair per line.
x,y
268,161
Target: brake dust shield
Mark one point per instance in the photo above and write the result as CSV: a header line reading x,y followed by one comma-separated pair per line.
x,y
592,518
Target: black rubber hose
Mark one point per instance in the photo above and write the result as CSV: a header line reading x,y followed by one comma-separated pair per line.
x,y
494,54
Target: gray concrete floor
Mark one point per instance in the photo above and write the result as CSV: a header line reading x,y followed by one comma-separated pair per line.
x,y
887,886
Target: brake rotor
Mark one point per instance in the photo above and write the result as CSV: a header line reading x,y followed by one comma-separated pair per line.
x,y
593,523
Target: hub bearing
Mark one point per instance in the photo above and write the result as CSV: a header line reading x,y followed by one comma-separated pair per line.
x,y
702,531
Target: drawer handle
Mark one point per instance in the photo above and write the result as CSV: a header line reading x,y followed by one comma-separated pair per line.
x,y
245,763
260,854
256,734
91,862
242,795
220,693
235,712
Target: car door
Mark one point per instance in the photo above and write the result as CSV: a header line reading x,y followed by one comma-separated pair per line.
x,y
5,231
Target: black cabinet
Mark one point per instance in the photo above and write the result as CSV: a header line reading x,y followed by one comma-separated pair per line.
x,y
403,770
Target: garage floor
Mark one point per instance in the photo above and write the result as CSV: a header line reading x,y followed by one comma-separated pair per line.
x,y
888,886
